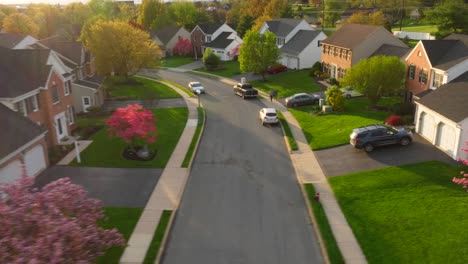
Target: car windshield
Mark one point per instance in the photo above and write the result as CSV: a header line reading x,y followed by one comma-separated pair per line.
x,y
196,84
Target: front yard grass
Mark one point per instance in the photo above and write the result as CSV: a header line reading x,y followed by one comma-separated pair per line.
x,y
158,236
107,152
287,131
176,61
137,88
288,83
125,220
408,214
231,68
189,154
422,28
333,129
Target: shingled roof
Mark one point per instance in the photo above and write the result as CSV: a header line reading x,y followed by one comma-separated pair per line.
x,y
282,26
351,35
299,42
22,71
10,40
210,28
16,131
450,99
446,53
221,42
165,34
391,50
72,50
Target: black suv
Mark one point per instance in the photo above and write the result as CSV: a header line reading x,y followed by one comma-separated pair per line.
x,y
372,136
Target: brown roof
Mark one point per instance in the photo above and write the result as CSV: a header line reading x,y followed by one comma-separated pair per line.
x,y
351,35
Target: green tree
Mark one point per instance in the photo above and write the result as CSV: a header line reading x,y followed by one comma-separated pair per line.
x,y
332,12
375,18
210,59
335,98
245,23
120,48
449,16
184,13
153,14
376,76
20,23
258,52
47,17
77,13
2,16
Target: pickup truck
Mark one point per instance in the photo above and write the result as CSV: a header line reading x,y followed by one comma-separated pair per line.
x,y
245,90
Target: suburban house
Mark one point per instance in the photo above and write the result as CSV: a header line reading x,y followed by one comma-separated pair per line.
x,y
24,147
205,33
166,38
37,84
442,117
354,42
226,45
16,41
433,63
86,84
298,41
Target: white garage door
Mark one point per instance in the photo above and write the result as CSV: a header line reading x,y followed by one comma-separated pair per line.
x,y
426,126
35,161
293,63
446,137
11,172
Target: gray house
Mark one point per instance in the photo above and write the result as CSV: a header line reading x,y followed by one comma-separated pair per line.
x,y
166,38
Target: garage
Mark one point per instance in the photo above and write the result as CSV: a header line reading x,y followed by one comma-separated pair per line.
x,y
10,172
34,160
293,63
426,126
446,138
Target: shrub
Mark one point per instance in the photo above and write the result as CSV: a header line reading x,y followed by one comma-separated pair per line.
x,y
405,108
335,98
324,75
394,120
317,67
211,60
333,81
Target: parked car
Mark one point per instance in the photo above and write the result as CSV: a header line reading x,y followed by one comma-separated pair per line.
x,y
349,92
245,90
196,87
302,99
276,69
268,116
369,137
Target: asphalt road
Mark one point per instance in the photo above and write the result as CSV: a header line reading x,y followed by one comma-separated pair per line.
x,y
242,203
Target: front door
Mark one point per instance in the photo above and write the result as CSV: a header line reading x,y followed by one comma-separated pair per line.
x,y
86,101
61,126
333,71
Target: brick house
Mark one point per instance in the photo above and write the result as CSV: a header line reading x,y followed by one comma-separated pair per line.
x,y
205,33
433,63
354,42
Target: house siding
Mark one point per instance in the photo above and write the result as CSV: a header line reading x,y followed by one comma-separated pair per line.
x,y
421,62
183,33
463,139
301,26
198,40
312,53
338,61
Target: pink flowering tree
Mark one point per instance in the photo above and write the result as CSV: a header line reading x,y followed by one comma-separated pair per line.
x,y
135,125
464,180
183,47
57,224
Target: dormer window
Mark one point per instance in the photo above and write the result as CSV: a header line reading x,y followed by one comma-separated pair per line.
x,y
280,41
419,53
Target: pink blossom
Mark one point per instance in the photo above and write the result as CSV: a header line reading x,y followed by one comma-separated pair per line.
x,y
183,47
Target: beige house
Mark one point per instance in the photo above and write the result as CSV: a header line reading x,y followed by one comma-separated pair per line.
x,y
166,38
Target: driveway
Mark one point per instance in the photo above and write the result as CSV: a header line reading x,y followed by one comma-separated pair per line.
x,y
113,186
346,159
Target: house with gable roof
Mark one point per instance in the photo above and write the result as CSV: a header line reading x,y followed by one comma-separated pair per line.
x,y
354,42
205,33
16,41
298,41
167,37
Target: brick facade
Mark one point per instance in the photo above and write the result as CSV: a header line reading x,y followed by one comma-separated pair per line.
x,y
337,58
198,40
419,60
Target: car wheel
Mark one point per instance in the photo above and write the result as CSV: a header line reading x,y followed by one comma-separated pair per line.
x,y
348,96
294,105
405,141
368,147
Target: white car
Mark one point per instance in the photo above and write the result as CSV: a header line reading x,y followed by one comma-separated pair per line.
x,y
268,116
349,92
196,87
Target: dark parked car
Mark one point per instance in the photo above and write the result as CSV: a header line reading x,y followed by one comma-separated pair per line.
x,y
276,69
302,99
245,90
372,136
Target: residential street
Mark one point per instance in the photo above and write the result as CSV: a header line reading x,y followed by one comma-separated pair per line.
x,y
242,203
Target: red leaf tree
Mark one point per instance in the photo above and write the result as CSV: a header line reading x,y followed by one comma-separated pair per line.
x,y
57,224
183,47
464,180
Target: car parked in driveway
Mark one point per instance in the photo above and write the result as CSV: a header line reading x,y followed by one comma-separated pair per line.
x,y
196,87
369,137
300,99
349,92
268,116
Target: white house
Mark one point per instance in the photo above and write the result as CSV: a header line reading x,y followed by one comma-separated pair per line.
x,y
298,41
219,37
442,117
226,45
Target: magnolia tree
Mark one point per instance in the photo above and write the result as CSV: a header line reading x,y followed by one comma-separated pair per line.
x,y
183,47
57,224
463,181
135,125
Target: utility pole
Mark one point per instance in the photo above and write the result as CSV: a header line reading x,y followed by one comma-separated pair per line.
x,y
402,12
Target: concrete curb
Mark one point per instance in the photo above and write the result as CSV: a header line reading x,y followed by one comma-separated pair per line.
x,y
162,247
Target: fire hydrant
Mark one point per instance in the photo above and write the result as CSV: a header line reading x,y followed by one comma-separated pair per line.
x,y
317,197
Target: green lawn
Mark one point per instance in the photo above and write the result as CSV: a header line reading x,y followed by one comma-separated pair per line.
x,y
189,154
288,83
138,88
231,68
176,61
125,220
329,130
107,152
158,236
333,251
407,214
86,121
424,28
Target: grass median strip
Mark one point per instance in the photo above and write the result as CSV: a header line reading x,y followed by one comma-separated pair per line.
x,y
185,90
333,251
287,131
188,156
158,236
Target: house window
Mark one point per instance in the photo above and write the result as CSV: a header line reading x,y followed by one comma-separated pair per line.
x,y
21,107
340,73
438,79
423,76
325,49
279,41
319,43
411,71
419,53
66,87
335,52
55,94
348,55
208,38
341,53
71,114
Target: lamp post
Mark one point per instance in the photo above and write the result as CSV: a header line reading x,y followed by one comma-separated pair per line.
x,y
198,93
